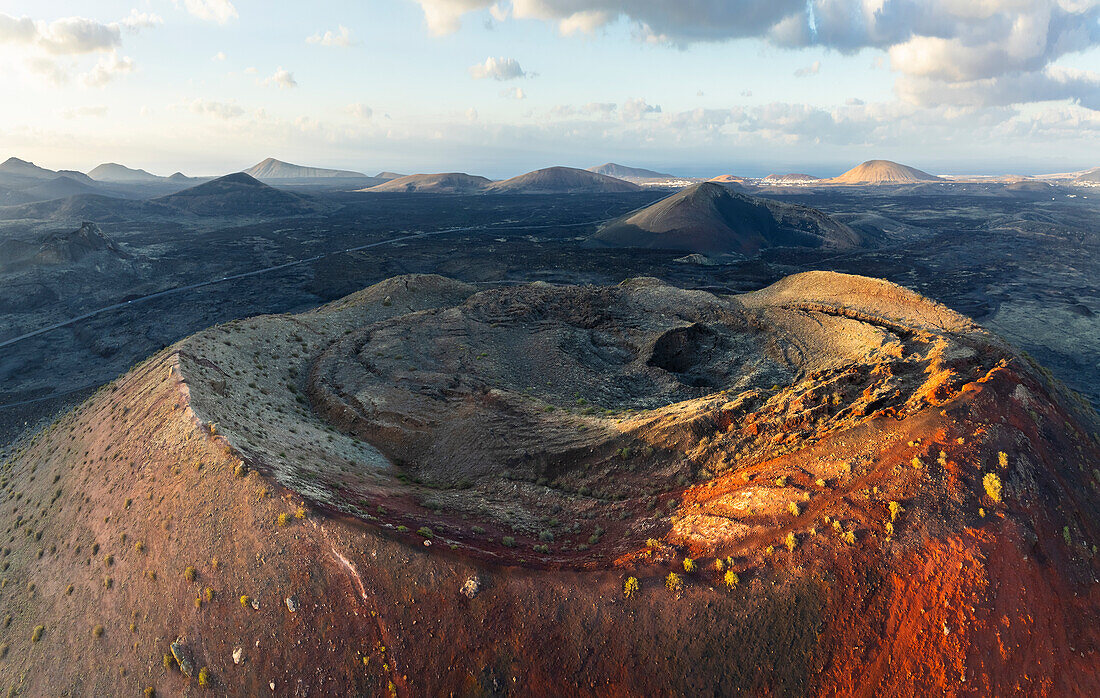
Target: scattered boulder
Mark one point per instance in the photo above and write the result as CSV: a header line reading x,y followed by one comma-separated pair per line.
x,y
471,587
182,656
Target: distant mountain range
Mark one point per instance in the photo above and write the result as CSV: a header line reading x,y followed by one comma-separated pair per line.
x,y
630,174
442,183
551,180
274,170
113,172
561,180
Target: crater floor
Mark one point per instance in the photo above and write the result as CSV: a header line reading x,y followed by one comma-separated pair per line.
x,y
566,425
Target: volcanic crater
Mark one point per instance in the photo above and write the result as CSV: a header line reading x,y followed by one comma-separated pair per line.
x,y
503,421
830,486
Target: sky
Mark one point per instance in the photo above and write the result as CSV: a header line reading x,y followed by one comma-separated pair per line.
x,y
692,87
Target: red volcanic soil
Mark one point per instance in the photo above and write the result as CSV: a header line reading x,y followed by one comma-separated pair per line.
x,y
848,495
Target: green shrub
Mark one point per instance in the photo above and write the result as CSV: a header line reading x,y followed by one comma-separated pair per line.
x,y
36,634
895,509
97,631
508,542
425,531
791,541
689,565
204,677
794,508
190,573
731,579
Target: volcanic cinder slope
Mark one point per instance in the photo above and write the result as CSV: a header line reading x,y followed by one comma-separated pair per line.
x,y
829,486
441,183
791,178
59,248
271,169
237,194
882,172
708,218
113,172
629,174
561,180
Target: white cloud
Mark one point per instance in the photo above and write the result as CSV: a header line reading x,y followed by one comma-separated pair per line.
x,y
934,45
471,114
1050,84
137,21
497,69
812,69
360,111
341,37
106,69
513,93
281,78
47,69
583,22
219,56
78,112
63,37
444,16
218,11
55,51
221,110
634,109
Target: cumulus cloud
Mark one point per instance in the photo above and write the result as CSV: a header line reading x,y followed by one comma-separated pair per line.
x,y
54,49
219,56
934,45
281,78
221,110
341,38
63,37
218,11
1050,84
513,93
360,111
137,21
106,69
812,69
634,109
79,112
497,69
